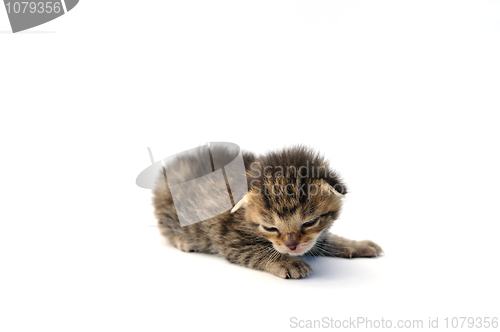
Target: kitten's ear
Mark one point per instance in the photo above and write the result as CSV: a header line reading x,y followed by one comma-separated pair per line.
x,y
336,193
242,202
339,192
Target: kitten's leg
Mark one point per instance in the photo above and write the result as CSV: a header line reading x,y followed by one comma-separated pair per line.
x,y
264,257
180,243
172,232
336,246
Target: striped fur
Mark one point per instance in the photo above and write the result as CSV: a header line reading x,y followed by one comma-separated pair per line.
x,y
286,214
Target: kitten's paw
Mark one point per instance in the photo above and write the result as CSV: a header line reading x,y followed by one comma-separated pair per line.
x,y
364,248
181,244
292,269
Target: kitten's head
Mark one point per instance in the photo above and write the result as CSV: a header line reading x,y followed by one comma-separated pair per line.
x,y
293,197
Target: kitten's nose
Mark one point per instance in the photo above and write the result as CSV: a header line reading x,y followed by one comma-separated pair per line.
x,y
291,240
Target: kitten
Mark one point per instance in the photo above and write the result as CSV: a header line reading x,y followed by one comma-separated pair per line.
x,y
293,199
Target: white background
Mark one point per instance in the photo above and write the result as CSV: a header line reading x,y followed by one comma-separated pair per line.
x,y
402,97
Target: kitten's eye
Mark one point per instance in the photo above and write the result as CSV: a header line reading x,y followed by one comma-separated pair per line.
x,y
270,229
310,223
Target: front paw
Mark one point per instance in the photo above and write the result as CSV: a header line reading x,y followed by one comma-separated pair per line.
x,y
364,248
290,269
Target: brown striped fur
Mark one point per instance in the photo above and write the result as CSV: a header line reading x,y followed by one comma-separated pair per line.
x,y
267,232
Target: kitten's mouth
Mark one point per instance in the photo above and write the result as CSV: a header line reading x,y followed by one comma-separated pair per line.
x,y
297,251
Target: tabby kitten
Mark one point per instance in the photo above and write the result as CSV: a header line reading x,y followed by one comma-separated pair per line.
x,y
293,199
